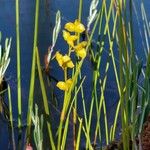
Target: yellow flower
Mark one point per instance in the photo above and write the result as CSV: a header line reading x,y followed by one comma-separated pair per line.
x,y
81,45
80,49
81,53
75,27
64,85
69,38
64,61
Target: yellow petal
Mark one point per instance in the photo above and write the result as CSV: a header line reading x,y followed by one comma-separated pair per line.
x,y
81,45
81,53
84,43
59,58
70,26
70,64
67,62
69,82
62,85
73,37
69,38
66,58
70,42
79,27
66,35
58,55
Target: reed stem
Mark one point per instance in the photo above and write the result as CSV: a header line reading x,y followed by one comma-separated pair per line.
x,y
32,79
11,118
18,65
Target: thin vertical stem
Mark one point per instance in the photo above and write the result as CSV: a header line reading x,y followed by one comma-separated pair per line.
x,y
32,79
45,100
18,64
75,103
123,54
80,10
11,117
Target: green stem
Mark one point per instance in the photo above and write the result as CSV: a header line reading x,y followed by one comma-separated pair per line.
x,y
122,54
18,64
45,100
11,117
80,10
32,80
59,134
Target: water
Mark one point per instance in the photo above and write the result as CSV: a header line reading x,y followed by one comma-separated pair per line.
x,y
48,9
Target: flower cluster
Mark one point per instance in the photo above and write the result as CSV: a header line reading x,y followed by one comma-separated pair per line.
x,y
76,28
71,36
64,61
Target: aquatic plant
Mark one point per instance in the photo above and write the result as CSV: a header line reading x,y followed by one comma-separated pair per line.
x,y
65,62
38,128
32,79
4,63
71,35
18,64
110,27
92,13
4,57
56,31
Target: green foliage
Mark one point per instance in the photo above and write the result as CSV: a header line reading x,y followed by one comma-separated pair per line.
x,y
38,128
32,79
111,26
4,57
92,13
57,28
18,64
56,31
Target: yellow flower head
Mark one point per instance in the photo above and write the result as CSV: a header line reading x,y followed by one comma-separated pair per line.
x,y
75,27
64,61
64,85
69,38
80,49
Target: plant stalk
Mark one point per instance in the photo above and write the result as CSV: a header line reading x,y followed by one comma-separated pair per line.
x,y
32,79
18,65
